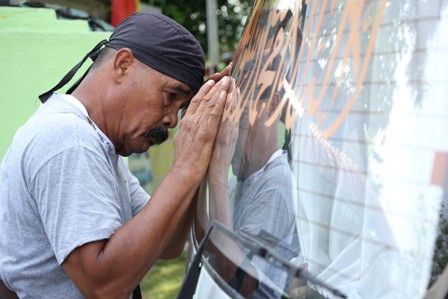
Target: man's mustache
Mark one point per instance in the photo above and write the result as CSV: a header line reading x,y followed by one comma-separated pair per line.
x,y
157,135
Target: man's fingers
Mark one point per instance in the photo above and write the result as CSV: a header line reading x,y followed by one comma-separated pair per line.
x,y
210,98
207,109
202,98
197,134
210,111
225,72
197,99
215,76
232,103
217,108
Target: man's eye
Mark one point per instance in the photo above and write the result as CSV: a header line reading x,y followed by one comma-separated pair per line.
x,y
169,98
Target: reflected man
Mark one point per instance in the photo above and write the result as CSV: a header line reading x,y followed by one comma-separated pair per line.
x,y
259,202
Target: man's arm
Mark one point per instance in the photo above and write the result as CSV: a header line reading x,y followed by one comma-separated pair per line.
x,y
177,242
112,268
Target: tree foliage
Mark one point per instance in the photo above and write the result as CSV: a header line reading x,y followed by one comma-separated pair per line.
x,y
232,15
440,258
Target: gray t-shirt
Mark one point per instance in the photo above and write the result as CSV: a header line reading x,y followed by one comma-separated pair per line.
x,y
263,205
61,186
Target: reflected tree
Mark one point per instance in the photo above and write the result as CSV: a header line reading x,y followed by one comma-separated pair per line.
x,y
440,259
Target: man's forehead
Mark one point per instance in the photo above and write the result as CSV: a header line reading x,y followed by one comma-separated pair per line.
x,y
170,83
174,84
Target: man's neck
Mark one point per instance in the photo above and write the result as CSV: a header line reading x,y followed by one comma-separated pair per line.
x,y
93,97
258,161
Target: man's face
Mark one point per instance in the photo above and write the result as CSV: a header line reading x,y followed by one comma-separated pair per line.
x,y
254,145
248,146
239,158
148,105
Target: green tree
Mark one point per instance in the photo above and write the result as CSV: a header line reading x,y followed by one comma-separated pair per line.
x,y
232,15
440,258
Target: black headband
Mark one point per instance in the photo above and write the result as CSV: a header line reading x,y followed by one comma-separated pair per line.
x,y
156,41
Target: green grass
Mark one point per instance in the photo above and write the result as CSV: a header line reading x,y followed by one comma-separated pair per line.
x,y
164,279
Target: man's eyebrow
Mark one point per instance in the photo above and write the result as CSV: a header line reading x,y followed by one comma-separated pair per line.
x,y
181,89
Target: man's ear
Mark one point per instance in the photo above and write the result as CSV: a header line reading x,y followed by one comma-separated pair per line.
x,y
124,58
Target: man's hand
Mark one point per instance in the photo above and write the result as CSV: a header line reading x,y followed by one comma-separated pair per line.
x,y
226,139
220,162
194,141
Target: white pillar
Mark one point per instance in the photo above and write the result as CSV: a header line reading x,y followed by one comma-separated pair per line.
x,y
212,34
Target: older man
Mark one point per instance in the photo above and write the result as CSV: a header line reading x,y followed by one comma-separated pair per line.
x,y
74,221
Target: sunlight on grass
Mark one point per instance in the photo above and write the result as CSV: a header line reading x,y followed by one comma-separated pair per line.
x,y
164,279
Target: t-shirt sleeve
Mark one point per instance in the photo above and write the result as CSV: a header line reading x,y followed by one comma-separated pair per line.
x,y
270,205
268,212
139,197
76,198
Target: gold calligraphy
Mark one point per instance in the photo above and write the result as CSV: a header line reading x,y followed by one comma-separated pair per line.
x,y
278,48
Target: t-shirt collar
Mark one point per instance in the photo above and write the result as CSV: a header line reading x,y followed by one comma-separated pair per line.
x,y
275,155
105,141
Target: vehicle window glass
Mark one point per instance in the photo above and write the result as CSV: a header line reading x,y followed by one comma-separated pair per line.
x,y
334,152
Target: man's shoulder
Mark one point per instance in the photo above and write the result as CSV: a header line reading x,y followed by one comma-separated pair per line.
x,y
279,167
48,133
62,129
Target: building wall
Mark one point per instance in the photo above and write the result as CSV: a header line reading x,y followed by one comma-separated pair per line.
x,y
36,50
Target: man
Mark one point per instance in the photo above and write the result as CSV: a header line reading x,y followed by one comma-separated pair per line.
x,y
75,222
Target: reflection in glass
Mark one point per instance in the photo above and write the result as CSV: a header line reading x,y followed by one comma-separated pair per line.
x,y
366,205
261,193
334,151
255,198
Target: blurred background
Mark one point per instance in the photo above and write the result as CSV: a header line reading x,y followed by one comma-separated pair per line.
x,y
41,40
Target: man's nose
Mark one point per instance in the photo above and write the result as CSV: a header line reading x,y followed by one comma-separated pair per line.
x,y
170,120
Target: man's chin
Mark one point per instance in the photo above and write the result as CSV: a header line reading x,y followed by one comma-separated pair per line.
x,y
141,151
122,153
127,151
